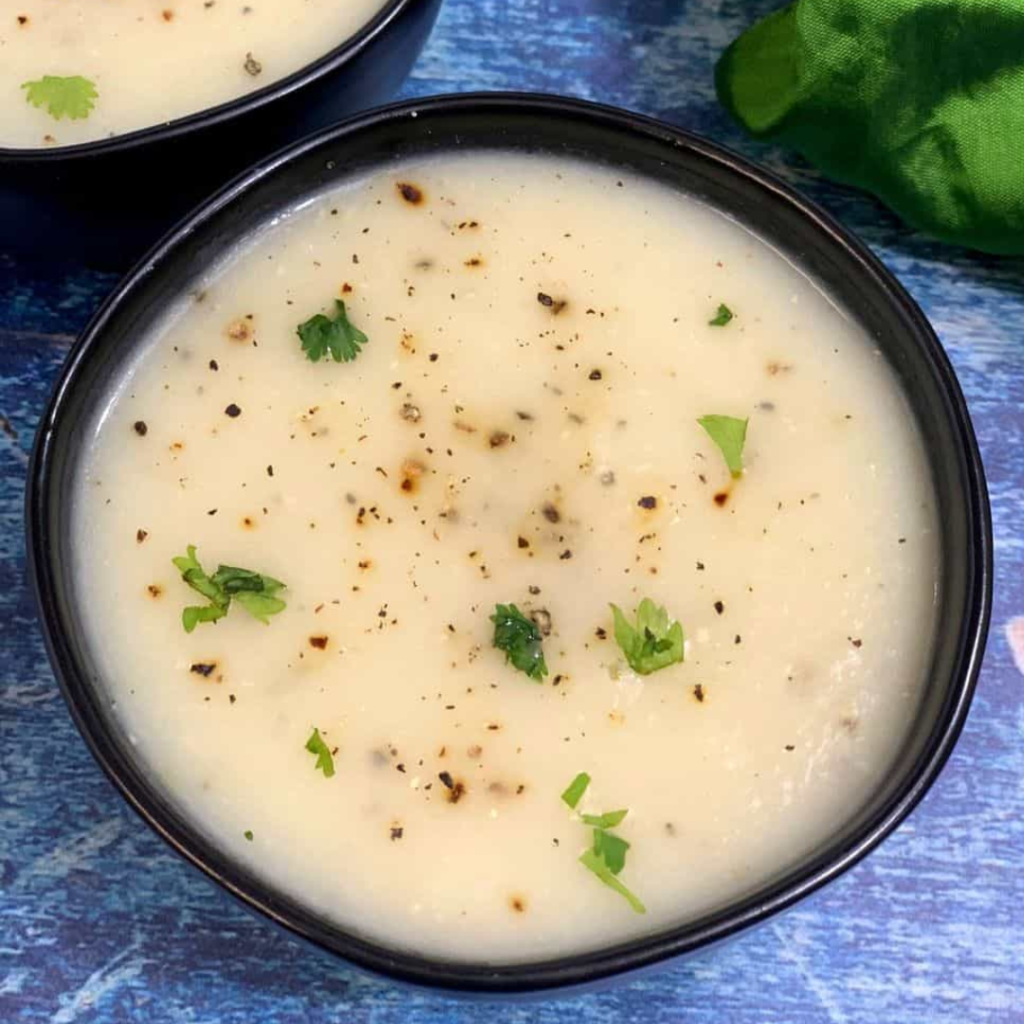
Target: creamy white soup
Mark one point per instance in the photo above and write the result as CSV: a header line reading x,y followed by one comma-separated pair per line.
x,y
507,446
74,71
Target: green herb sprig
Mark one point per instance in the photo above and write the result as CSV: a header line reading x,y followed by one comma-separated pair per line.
x,y
653,642
606,856
72,96
321,336
520,639
256,593
324,761
730,434
722,317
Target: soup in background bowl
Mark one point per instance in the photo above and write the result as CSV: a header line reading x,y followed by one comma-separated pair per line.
x,y
118,119
78,71
541,543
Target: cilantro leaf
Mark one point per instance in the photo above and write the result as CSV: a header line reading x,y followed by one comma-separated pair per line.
x,y
196,613
253,591
260,606
324,762
596,862
520,639
71,97
611,849
652,643
575,790
322,336
722,317
256,593
730,434
607,820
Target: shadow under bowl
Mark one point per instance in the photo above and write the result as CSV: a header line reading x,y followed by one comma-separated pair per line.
x,y
104,202
840,264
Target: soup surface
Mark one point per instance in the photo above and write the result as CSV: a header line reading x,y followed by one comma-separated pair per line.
x,y
519,428
122,65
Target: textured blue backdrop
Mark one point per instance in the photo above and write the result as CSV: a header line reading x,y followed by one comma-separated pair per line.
x,y
100,922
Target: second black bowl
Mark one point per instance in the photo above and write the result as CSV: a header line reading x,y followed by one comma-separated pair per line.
x,y
104,202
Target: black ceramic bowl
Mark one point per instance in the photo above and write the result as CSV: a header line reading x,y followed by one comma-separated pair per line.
x,y
839,262
105,202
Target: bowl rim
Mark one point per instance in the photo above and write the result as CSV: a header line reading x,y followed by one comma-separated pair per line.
x,y
207,117
579,969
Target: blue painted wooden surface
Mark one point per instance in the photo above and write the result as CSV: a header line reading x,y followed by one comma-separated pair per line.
x,y
100,922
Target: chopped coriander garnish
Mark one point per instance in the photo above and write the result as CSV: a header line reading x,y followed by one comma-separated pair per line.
x,y
596,863
248,834
575,790
730,434
653,643
520,639
607,856
608,820
322,336
611,849
256,593
72,97
324,762
722,317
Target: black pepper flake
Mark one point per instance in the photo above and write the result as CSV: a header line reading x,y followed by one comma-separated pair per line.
x,y
522,542
648,501
565,555
410,193
738,639
140,428
232,698
698,692
555,305
252,65
446,778
396,832
214,365
141,535
535,590
319,642
233,411
203,668
789,746
550,513
270,470
700,567
433,357
719,607
601,633
855,641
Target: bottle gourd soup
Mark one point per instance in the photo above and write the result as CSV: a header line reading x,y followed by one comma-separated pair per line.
x,y
408,446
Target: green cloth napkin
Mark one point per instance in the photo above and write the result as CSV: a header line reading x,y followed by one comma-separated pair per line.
x,y
919,101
